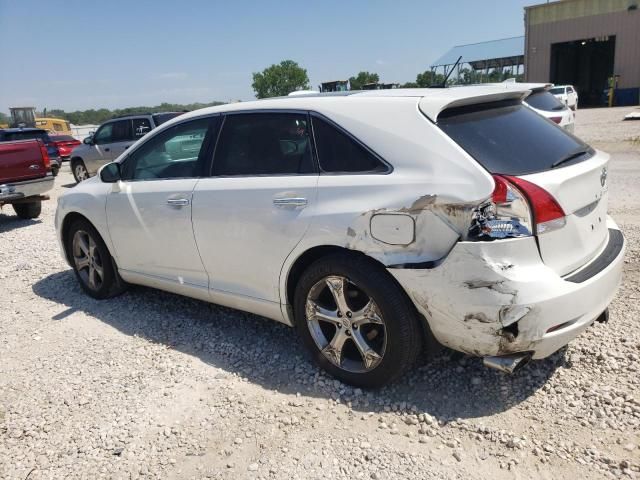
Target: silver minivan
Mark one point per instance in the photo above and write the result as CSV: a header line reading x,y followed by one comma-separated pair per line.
x,y
111,139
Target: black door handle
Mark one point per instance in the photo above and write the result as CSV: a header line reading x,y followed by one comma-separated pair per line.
x,y
126,147
106,149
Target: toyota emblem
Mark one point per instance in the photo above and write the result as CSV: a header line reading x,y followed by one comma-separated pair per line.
x,y
603,176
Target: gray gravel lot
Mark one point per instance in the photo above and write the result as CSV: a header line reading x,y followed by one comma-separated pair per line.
x,y
154,385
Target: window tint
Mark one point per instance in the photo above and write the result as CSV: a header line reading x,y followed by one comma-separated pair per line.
x,y
264,144
121,131
141,126
103,135
339,153
160,118
557,90
511,139
28,135
174,153
545,101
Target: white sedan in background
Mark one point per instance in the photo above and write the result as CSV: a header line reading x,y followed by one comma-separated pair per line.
x,y
567,94
377,223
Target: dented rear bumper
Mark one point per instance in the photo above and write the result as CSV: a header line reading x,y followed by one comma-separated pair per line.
x,y
496,298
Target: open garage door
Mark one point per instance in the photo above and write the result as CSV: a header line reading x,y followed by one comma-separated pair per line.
x,y
586,64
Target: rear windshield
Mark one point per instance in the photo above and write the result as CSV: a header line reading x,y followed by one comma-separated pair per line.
x,y
27,135
511,139
62,138
557,90
545,101
160,118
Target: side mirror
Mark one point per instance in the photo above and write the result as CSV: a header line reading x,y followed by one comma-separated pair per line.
x,y
88,140
110,173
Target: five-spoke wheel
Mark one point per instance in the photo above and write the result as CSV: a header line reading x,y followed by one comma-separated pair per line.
x,y
346,324
356,320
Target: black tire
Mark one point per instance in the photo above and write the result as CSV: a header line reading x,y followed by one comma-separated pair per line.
x,y
111,284
28,210
77,166
403,331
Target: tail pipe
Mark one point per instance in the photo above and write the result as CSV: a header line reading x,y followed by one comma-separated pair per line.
x,y
507,363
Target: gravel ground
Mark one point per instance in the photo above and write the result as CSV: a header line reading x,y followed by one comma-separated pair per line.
x,y
154,385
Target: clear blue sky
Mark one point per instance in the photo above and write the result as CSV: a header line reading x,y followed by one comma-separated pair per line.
x,y
84,54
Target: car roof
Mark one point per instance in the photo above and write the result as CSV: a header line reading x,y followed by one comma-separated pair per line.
x,y
431,100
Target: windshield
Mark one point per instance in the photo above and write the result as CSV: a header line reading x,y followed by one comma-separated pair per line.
x,y
511,139
545,101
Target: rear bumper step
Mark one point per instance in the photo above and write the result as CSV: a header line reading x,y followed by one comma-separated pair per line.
x,y
608,255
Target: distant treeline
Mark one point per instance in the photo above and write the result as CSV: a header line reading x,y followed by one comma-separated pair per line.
x,y
96,117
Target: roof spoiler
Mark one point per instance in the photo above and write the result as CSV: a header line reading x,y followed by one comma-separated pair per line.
x,y
433,105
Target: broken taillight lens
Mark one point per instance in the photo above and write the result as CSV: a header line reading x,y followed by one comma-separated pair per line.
x,y
516,206
506,215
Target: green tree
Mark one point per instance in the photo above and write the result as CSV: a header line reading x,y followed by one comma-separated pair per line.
x,y
428,78
4,118
362,79
280,80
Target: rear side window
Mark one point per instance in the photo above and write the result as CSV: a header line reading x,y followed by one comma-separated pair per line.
x,y
264,144
545,101
141,126
160,118
512,139
339,153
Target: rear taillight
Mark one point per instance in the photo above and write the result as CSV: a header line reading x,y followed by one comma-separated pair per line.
x,y
516,206
556,119
547,213
45,155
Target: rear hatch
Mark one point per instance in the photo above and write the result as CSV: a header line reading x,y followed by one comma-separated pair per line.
x,y
510,139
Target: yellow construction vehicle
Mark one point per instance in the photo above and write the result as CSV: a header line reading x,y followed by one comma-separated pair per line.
x,y
26,117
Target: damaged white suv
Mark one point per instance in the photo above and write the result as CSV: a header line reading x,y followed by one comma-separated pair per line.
x,y
374,222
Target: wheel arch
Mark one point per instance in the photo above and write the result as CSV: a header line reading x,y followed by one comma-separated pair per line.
x,y
306,258
68,221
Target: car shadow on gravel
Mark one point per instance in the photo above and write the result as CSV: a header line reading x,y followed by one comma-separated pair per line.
x,y
11,222
269,354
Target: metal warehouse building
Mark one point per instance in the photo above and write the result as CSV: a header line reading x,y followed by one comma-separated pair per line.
x,y
584,43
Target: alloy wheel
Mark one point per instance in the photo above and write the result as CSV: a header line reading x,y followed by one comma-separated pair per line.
x,y
87,260
346,324
81,172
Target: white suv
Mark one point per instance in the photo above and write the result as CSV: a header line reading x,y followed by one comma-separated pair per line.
x,y
374,222
566,94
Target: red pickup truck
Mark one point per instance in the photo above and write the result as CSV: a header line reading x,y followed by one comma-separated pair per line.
x,y
25,175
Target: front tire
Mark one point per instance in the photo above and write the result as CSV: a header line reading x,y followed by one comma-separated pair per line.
x,y
92,263
79,170
356,321
28,210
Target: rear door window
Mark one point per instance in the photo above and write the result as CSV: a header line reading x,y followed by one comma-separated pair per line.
x,y
511,139
121,131
339,153
264,144
545,101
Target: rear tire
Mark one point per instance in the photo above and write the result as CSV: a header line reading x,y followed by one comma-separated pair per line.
x,y
373,351
79,170
91,261
28,210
